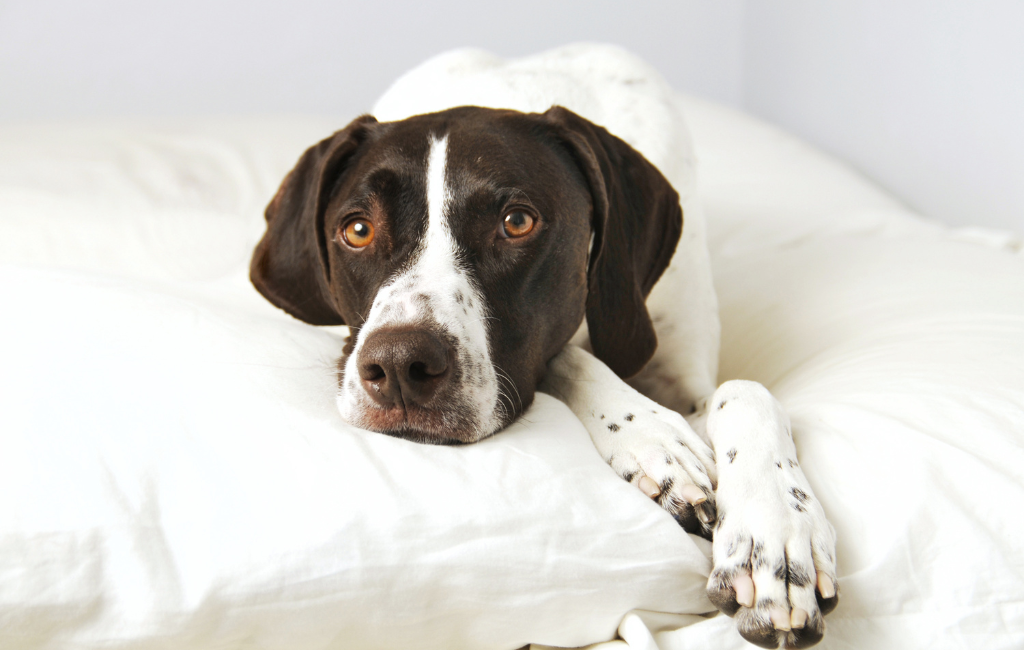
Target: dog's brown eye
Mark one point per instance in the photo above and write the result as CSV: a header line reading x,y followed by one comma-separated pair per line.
x,y
358,233
517,224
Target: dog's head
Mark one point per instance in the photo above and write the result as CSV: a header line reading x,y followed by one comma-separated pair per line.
x,y
464,249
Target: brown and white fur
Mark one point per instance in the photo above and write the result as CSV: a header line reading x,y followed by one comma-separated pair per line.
x,y
455,323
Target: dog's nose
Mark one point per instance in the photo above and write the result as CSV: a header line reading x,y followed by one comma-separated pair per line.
x,y
402,367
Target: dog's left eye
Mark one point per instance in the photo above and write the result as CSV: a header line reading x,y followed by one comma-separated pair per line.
x,y
517,224
357,233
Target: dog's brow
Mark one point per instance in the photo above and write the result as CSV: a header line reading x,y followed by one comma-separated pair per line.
x,y
364,203
514,195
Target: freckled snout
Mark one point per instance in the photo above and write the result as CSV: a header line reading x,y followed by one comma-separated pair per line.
x,y
399,368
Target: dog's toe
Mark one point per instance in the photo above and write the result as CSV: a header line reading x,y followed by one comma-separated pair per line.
x,y
775,577
671,476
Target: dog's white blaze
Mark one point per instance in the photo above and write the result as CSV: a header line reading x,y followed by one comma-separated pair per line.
x,y
438,198
428,292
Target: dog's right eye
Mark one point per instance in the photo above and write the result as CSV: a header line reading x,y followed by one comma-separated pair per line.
x,y
517,224
357,233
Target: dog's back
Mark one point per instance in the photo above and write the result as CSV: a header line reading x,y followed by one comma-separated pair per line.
x,y
603,83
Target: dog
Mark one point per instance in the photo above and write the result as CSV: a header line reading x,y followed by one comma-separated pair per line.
x,y
501,228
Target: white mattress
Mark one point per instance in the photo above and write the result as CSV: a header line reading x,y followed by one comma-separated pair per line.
x,y
173,473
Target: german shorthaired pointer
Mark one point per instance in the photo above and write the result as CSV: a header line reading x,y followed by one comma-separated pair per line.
x,y
481,254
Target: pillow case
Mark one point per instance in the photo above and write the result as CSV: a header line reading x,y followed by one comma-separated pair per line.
x,y
175,474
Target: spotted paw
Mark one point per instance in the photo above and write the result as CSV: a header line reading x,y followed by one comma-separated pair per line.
x,y
774,550
650,446
656,450
777,589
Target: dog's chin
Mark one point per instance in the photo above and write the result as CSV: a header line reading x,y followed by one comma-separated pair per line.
x,y
424,425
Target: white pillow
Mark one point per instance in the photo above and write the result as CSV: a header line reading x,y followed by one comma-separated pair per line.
x,y
163,199
174,470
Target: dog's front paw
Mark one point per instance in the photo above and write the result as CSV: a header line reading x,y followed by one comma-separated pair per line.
x,y
656,450
775,575
648,445
774,550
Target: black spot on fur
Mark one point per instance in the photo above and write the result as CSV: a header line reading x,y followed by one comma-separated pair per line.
x,y
613,427
811,633
800,495
798,575
731,454
721,520
602,416
685,516
666,486
827,605
780,570
459,297
798,507
778,464
793,463
629,417
629,476
764,603
757,558
721,594
722,405
755,626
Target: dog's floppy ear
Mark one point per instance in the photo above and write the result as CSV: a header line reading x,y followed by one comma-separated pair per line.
x,y
636,225
289,265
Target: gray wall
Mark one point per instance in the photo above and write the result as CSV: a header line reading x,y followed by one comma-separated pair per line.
x,y
924,96
64,58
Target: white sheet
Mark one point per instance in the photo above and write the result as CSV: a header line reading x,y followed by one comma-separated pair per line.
x,y
173,473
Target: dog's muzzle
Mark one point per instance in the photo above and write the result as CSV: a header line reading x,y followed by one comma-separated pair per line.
x,y
412,384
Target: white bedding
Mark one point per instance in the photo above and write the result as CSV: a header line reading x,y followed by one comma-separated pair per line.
x,y
173,473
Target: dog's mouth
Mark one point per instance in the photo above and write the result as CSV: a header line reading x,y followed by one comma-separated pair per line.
x,y
422,425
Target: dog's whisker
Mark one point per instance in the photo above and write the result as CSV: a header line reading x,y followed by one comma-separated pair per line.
x,y
500,372
501,404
